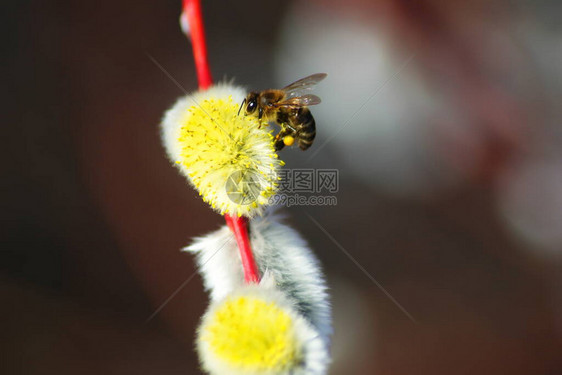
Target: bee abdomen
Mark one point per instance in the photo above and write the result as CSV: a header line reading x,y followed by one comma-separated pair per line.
x,y
307,129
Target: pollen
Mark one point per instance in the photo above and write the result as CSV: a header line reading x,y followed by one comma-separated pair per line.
x,y
229,158
288,140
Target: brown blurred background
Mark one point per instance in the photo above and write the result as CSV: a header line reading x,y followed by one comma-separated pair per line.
x,y
455,207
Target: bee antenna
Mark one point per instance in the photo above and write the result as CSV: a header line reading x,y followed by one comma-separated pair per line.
x,y
241,105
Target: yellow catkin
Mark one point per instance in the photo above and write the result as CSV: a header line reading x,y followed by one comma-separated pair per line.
x,y
229,158
248,333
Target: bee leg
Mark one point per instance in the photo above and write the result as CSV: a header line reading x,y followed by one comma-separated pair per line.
x,y
279,144
279,140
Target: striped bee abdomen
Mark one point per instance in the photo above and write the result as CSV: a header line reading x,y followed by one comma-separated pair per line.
x,y
305,126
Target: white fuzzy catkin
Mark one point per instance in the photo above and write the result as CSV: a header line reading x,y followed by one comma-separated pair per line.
x,y
281,253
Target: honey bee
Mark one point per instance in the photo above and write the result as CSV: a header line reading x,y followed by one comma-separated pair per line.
x,y
288,107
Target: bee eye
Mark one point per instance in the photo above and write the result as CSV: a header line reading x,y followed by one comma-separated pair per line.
x,y
251,106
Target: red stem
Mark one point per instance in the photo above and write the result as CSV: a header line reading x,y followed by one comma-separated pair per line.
x,y
192,9
238,225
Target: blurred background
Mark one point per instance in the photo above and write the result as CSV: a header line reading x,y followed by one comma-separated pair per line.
x,y
443,119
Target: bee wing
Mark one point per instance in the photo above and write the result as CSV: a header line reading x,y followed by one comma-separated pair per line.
x,y
300,101
301,86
